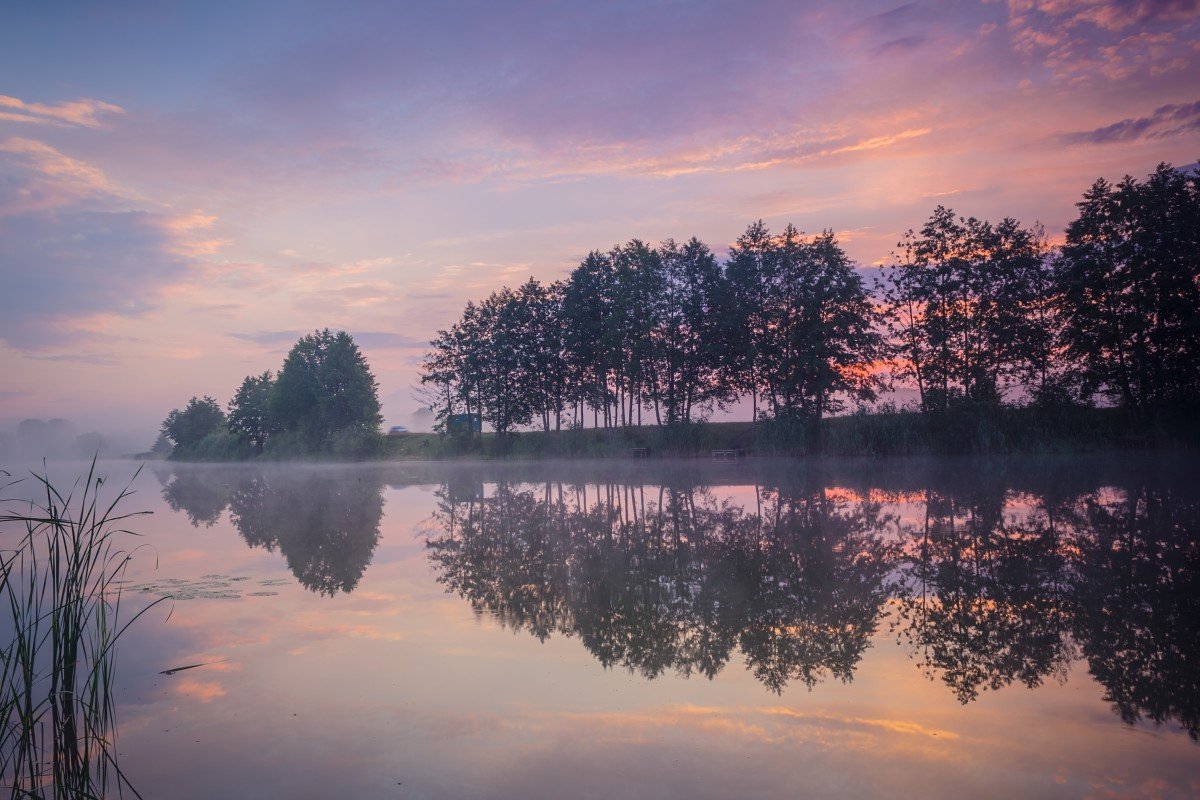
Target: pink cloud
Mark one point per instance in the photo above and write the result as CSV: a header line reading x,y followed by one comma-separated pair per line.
x,y
86,113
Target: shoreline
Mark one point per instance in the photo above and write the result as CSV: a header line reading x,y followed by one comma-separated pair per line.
x,y
1001,432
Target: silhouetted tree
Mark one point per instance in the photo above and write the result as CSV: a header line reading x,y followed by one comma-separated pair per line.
x,y
810,322
684,365
590,328
1129,280
964,308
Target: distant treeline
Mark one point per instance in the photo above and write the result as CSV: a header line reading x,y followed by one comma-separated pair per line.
x,y
55,438
975,315
323,401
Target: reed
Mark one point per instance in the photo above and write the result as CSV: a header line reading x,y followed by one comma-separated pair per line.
x,y
60,577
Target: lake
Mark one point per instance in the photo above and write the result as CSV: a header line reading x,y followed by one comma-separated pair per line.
x,y
835,628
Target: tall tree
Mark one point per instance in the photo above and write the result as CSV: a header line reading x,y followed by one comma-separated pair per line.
x,y
542,347
963,308
1129,279
325,386
810,322
588,310
687,339
249,410
747,271
499,355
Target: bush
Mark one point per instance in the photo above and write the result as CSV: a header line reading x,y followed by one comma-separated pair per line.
x,y
218,445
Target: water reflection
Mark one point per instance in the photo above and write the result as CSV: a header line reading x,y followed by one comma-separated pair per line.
x,y
985,596
664,579
987,577
327,529
1137,591
985,585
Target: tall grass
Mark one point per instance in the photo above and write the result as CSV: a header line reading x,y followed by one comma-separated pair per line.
x,y
60,579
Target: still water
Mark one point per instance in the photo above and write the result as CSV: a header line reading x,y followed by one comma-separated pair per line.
x,y
949,628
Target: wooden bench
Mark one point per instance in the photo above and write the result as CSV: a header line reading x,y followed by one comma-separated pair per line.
x,y
639,452
727,455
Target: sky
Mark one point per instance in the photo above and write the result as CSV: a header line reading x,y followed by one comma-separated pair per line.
x,y
187,188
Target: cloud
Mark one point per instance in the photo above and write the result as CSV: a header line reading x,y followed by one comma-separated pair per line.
x,y
1167,121
881,141
85,112
269,338
385,340
1116,39
368,340
35,176
77,253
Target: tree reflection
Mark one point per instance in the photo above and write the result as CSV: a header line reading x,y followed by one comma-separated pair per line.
x,y
201,494
1138,590
986,603
325,524
989,578
674,581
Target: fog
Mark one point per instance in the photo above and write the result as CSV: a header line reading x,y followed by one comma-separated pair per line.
x,y
59,439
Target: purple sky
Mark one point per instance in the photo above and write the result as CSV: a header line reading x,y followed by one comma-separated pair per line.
x,y
185,188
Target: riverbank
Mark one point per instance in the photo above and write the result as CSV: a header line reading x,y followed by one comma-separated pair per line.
x,y
999,432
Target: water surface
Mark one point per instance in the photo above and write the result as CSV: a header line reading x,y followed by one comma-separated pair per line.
x,y
932,628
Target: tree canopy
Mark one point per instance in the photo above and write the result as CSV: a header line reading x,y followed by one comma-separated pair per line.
x,y
324,399
188,426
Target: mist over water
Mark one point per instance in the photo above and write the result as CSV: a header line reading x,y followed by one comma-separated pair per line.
x,y
950,627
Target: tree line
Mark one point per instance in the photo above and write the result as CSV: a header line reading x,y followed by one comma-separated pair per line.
x,y
972,314
323,400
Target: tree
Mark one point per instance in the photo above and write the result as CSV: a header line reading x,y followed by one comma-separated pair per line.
x,y
199,418
588,311
441,377
325,386
637,269
162,445
810,336
964,308
746,270
1129,279
500,356
685,352
542,343
249,410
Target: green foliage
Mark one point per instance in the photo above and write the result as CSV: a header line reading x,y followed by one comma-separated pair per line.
x,y
250,413
324,386
197,420
323,402
218,445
